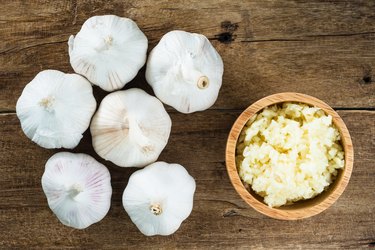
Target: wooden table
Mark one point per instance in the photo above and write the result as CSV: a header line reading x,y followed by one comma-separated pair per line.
x,y
321,48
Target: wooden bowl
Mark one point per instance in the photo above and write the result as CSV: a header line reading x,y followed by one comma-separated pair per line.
x,y
300,209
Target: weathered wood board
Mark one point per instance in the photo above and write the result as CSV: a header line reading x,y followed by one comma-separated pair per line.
x,y
321,48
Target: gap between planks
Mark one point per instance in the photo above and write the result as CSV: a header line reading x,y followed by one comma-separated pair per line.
x,y
305,38
13,112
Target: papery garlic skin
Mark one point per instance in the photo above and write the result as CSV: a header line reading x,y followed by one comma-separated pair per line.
x,y
130,128
56,108
185,71
78,189
159,197
108,50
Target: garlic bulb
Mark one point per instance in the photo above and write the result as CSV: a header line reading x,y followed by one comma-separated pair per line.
x,y
185,71
108,50
159,197
78,189
130,128
55,109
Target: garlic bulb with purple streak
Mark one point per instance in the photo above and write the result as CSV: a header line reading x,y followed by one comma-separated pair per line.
x,y
78,189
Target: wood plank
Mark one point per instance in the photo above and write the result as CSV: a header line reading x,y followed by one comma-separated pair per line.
x,y
322,48
220,219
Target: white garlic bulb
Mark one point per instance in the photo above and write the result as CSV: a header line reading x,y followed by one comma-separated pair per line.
x,y
159,197
108,50
130,128
55,109
185,71
78,189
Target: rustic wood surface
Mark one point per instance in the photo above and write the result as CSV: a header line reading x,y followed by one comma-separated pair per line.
x,y
322,48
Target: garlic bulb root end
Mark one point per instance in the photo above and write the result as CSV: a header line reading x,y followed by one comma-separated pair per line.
x,y
47,103
203,82
108,40
156,209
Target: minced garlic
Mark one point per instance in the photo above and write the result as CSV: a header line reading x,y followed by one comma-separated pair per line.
x,y
289,152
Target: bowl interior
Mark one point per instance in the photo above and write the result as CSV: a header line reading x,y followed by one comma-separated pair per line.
x,y
303,208
304,203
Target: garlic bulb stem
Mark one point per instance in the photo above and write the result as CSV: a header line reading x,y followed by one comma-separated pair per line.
x,y
47,103
156,209
203,82
105,44
194,76
74,190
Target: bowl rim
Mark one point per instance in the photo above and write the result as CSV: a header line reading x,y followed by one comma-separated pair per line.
x,y
297,213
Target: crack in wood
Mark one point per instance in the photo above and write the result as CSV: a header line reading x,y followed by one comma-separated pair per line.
x,y
227,37
11,112
230,213
304,38
274,40
355,109
224,37
343,34
7,112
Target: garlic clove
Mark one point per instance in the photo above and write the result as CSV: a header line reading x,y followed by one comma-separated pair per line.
x,y
56,108
78,189
130,128
108,50
159,197
185,71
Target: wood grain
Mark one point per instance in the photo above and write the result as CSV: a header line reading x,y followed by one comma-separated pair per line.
x,y
322,48
302,209
313,47
219,219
